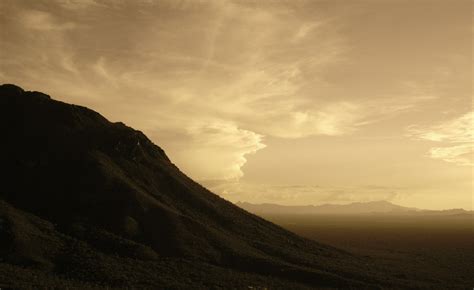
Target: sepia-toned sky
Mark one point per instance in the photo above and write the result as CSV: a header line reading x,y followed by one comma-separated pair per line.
x,y
289,102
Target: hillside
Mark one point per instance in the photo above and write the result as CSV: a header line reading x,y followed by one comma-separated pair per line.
x,y
86,202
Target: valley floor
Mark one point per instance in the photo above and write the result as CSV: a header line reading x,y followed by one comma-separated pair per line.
x,y
433,249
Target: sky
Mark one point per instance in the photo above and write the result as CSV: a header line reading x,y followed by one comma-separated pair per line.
x,y
288,102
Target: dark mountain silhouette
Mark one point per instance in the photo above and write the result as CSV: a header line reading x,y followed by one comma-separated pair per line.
x,y
85,202
373,207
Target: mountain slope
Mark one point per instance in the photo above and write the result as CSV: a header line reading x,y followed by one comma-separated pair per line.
x,y
88,202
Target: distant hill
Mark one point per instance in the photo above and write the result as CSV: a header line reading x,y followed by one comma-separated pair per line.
x,y
374,207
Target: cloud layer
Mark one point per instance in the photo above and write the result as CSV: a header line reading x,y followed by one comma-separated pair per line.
x,y
220,85
214,82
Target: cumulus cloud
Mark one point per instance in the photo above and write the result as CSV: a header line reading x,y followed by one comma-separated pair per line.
x,y
221,146
458,136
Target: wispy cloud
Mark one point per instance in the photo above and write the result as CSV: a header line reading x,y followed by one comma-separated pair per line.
x,y
43,21
77,4
459,154
306,29
459,131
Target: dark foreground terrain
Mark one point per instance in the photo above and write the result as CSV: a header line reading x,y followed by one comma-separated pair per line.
x,y
436,249
85,203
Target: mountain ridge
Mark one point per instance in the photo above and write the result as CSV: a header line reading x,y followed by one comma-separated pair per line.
x,y
372,207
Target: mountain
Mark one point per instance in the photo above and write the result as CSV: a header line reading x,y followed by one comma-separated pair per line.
x,y
373,207
352,208
85,202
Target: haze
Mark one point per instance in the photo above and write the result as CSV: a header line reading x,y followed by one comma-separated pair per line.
x,y
289,102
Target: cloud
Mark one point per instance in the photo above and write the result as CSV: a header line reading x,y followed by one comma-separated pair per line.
x,y
100,68
459,154
43,21
212,90
218,144
459,131
333,119
226,144
77,4
306,29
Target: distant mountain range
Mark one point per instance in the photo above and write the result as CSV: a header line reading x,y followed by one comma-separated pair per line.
x,y
374,207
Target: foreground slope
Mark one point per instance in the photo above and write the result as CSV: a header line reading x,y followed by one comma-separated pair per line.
x,y
84,201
